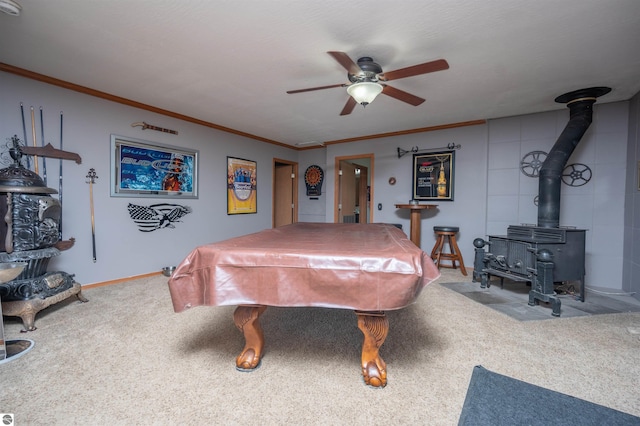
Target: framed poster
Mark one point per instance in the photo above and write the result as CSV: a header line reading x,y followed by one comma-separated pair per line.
x,y
146,169
241,186
433,176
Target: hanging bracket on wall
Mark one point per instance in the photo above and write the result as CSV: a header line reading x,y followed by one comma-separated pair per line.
x,y
149,126
415,149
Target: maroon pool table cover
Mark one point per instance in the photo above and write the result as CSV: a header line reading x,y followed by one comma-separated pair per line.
x,y
369,267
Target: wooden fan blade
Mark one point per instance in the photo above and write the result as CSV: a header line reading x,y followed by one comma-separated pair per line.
x,y
401,95
344,60
425,68
349,106
315,88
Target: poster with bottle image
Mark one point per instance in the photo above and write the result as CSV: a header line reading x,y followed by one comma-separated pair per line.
x,y
433,176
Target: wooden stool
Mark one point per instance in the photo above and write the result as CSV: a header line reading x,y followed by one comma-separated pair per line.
x,y
447,234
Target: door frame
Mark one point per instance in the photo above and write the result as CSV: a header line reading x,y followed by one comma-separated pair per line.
x,y
294,183
336,183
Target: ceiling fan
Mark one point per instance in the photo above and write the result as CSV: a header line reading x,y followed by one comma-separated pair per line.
x,y
366,77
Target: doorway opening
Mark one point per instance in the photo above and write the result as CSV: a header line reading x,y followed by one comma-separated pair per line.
x,y
353,194
285,193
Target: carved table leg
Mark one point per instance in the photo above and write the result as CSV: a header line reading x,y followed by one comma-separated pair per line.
x,y
246,319
375,327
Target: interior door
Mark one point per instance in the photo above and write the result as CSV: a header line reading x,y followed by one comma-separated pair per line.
x,y
284,193
351,191
363,194
347,193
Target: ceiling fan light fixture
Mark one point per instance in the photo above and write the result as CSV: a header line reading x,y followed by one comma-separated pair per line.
x,y
10,7
364,92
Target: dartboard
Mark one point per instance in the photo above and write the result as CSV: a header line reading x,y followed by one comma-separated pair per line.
x,y
313,175
313,179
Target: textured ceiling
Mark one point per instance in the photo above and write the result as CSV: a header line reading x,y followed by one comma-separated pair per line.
x,y
230,63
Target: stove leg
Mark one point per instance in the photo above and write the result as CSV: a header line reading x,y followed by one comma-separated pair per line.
x,y
27,309
556,304
485,280
542,287
478,260
582,288
480,263
81,297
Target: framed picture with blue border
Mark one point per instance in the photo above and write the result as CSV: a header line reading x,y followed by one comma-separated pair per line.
x,y
147,169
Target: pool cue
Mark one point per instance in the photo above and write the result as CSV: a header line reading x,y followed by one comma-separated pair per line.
x,y
91,179
44,159
60,184
33,133
24,132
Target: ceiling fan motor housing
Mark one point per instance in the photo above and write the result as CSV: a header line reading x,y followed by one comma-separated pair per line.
x,y
370,70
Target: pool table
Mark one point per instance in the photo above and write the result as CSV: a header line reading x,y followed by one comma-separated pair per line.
x,y
368,268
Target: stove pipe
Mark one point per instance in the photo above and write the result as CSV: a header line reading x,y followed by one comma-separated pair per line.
x,y
580,104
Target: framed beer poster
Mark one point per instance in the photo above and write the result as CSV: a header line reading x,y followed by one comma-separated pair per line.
x,y
242,184
433,176
147,169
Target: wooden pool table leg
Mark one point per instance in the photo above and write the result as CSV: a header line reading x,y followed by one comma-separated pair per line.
x,y
246,319
375,327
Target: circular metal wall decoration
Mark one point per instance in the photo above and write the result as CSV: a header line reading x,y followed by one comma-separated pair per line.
x,y
576,174
532,162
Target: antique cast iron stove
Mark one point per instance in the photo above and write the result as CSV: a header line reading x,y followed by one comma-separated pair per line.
x,y
547,253
29,234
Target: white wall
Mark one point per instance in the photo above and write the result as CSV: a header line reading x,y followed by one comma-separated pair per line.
x,y
122,250
631,269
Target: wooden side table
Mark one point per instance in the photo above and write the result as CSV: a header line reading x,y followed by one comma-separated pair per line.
x,y
416,213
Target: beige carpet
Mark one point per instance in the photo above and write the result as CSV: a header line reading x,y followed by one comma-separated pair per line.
x,y
126,358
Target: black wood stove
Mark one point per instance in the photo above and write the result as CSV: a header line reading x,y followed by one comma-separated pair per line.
x,y
546,254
